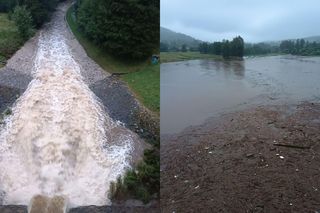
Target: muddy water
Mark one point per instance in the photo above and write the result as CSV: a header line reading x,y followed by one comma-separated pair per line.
x,y
59,141
192,91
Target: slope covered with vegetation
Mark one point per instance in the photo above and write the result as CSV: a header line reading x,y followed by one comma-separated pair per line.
x,y
173,41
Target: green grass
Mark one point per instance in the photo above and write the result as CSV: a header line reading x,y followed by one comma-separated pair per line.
x,y
146,84
142,182
10,41
183,56
143,78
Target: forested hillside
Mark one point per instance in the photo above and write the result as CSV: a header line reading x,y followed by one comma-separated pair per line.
x,y
173,41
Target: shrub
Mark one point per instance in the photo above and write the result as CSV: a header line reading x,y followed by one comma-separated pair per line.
x,y
141,183
23,20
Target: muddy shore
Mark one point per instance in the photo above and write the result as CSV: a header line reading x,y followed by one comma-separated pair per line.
x,y
265,159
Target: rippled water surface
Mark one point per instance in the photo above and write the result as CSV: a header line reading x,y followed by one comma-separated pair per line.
x,y
192,91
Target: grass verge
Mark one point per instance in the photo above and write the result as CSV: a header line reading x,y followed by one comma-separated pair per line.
x,y
143,78
10,41
145,83
183,56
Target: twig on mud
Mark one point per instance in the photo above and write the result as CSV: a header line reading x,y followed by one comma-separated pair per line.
x,y
292,146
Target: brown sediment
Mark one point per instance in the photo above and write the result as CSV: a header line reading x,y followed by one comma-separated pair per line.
x,y
231,164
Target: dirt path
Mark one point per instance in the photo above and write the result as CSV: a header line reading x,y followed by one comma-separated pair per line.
x,y
232,164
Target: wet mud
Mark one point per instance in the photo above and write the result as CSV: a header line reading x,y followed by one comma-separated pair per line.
x,y
263,159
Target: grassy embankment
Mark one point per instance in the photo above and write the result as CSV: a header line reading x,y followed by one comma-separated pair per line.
x,y
10,41
143,78
183,56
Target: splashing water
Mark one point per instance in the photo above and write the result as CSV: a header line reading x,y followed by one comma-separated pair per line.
x,y
59,140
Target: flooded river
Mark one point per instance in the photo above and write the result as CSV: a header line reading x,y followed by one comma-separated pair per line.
x,y
59,141
192,91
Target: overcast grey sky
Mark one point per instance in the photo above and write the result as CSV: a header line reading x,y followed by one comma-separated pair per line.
x,y
254,20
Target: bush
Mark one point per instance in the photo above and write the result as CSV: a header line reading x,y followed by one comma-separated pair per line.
x,y
23,20
141,183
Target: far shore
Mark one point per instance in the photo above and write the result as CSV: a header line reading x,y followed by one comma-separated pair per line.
x,y
167,57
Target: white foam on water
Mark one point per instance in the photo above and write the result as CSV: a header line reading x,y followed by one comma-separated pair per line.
x,y
59,140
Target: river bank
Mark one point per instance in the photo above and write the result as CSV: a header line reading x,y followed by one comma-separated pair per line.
x,y
167,57
263,159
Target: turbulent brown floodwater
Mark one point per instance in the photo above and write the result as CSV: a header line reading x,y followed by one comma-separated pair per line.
x,y
192,91
59,141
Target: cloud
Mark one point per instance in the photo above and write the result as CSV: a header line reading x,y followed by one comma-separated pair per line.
x,y
255,20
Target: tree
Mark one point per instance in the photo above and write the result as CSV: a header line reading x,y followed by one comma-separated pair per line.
x,y
164,47
184,48
237,47
217,48
23,20
204,48
38,11
287,46
226,49
8,5
125,28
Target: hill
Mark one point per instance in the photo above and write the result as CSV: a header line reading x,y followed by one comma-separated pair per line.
x,y
176,40
313,38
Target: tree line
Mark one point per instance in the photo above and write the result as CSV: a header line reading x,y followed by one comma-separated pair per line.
x,y
226,48
294,47
260,49
300,47
28,14
40,10
125,28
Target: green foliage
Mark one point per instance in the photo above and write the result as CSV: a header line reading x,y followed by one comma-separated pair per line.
x,y
294,47
300,47
146,85
184,48
237,47
10,40
38,11
260,49
23,21
142,78
225,48
141,183
125,28
8,5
